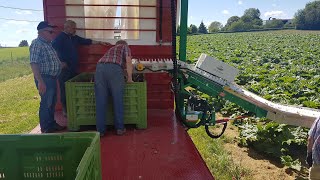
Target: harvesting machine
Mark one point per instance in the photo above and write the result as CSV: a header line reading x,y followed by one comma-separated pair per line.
x,y
163,150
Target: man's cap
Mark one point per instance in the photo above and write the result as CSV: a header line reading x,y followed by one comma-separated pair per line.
x,y
44,24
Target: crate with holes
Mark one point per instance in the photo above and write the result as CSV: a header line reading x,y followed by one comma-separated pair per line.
x,y
51,156
81,103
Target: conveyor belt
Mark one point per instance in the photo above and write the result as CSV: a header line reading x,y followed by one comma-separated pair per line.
x,y
286,114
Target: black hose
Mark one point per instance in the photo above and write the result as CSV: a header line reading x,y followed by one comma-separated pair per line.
x,y
174,59
174,46
215,136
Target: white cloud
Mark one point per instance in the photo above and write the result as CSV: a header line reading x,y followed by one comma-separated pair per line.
x,y
240,2
18,22
225,12
24,12
10,43
207,23
23,31
274,14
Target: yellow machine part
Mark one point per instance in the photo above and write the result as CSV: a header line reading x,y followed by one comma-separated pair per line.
x,y
140,67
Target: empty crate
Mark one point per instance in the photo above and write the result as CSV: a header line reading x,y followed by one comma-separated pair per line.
x,y
50,156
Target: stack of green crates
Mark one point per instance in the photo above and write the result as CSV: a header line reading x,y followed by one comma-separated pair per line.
x,y
82,108
50,156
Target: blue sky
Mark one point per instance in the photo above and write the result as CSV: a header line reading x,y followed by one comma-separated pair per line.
x,y
221,10
12,32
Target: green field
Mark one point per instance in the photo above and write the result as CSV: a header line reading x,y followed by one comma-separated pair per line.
x,y
19,98
14,62
18,106
12,54
281,66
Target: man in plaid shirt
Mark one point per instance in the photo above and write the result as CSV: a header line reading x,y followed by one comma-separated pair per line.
x,y
109,79
46,67
313,157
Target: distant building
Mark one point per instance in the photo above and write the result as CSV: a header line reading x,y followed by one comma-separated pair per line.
x,y
285,21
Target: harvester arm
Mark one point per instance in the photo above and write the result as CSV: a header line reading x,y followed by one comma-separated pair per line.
x,y
219,82
216,86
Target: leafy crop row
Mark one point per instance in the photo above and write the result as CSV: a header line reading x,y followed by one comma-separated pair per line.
x,y
281,66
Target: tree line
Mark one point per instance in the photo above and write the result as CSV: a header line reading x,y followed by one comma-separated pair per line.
x,y
305,19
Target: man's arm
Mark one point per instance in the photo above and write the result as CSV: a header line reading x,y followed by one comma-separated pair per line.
x,y
129,68
309,159
57,44
35,55
84,41
310,145
311,140
100,42
311,133
36,72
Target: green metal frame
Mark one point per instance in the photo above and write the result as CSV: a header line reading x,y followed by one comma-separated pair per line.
x,y
202,84
187,78
183,30
184,94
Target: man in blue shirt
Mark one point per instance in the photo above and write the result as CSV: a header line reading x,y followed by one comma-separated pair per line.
x,y
313,156
66,44
46,67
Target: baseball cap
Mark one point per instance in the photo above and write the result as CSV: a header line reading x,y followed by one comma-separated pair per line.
x,y
44,24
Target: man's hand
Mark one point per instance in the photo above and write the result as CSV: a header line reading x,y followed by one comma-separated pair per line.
x,y
42,87
309,159
36,72
129,68
104,43
101,43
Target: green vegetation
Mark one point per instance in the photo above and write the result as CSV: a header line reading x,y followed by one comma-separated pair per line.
x,y
14,62
308,18
23,43
218,160
281,66
250,20
19,98
202,28
15,53
18,106
304,19
276,140
215,27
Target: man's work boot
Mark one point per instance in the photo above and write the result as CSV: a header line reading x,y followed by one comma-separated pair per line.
x,y
64,111
121,132
57,127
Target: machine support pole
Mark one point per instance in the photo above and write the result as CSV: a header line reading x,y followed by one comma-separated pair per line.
x,y
183,30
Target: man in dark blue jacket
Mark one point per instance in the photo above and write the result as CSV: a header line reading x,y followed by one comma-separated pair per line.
x,y
66,44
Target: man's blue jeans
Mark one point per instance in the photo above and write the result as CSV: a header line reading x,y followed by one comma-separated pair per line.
x,y
48,103
109,80
66,74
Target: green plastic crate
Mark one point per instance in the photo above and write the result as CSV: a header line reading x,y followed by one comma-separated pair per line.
x,y
50,156
82,108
